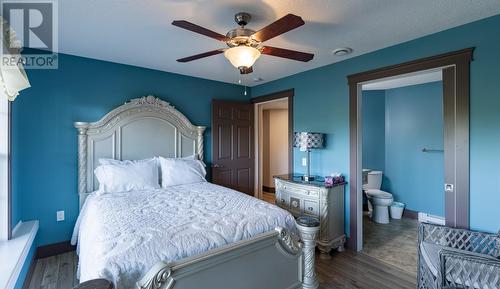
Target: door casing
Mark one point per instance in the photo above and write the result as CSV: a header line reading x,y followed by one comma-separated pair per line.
x,y
456,67
265,98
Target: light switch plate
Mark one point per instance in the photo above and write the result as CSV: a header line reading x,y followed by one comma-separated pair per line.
x,y
304,162
60,216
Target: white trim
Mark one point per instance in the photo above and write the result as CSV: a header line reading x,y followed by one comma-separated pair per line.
x,y
258,142
16,251
4,167
431,219
257,188
419,77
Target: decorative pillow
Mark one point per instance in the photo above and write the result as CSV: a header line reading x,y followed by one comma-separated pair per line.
x,y
128,176
181,171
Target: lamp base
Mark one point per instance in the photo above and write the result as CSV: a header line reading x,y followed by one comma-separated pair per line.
x,y
308,178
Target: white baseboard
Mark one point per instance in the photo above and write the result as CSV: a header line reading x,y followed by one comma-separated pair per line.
x,y
431,219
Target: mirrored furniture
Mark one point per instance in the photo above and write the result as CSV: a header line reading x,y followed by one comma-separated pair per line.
x,y
313,198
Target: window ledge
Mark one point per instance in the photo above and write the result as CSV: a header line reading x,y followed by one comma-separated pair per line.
x,y
15,251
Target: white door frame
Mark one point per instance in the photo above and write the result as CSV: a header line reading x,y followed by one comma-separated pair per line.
x,y
258,102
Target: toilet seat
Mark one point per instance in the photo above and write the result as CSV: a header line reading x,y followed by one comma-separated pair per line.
x,y
378,194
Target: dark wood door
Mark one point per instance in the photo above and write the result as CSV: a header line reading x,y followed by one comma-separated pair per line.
x,y
233,145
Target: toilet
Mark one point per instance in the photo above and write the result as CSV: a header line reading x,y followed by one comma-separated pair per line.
x,y
378,201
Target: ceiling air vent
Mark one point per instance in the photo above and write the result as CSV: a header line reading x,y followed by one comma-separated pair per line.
x,y
342,51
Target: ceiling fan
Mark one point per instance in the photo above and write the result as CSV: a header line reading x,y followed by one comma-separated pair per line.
x,y
246,45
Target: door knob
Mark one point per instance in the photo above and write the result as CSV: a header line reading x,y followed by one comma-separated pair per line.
x,y
217,166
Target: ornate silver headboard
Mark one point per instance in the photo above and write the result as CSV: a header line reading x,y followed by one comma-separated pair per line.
x,y
141,128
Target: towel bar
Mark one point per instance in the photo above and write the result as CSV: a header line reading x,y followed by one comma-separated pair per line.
x,y
426,150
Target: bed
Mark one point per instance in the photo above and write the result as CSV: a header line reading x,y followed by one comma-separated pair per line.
x,y
197,235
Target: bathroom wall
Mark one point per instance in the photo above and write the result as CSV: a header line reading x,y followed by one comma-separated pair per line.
x,y
373,123
414,120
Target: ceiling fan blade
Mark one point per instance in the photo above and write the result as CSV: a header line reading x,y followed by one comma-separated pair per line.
x,y
280,26
201,55
286,53
246,70
198,29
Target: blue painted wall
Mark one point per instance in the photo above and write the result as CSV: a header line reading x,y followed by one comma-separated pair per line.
x,y
414,120
373,123
321,104
44,154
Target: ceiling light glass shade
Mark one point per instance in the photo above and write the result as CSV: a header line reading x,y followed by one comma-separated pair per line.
x,y
242,56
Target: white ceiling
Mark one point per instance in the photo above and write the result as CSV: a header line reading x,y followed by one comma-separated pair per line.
x,y
140,33
405,80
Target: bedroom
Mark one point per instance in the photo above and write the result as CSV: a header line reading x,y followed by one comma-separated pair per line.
x,y
126,51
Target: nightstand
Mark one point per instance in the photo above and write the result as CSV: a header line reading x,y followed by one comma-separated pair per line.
x,y
314,199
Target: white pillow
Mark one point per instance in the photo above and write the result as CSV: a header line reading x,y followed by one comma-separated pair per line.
x,y
181,171
127,177
124,162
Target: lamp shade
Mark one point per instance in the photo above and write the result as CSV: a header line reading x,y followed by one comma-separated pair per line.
x,y
242,56
308,140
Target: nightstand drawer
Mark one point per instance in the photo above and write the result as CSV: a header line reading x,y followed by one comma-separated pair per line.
x,y
300,190
283,201
311,208
290,202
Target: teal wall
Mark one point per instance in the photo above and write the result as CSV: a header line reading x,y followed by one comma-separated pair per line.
x,y
414,120
373,124
44,141
321,104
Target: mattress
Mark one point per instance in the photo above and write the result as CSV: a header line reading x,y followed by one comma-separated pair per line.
x,y
121,236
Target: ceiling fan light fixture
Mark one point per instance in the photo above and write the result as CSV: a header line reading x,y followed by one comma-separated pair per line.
x,y
242,56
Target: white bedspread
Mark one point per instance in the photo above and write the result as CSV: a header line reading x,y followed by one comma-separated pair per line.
x,y
122,235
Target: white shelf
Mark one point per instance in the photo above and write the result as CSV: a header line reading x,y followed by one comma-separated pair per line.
x,y
14,252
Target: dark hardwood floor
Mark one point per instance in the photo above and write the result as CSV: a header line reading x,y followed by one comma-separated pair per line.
x,y
56,272
360,271
345,270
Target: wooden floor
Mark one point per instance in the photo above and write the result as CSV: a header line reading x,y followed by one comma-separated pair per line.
x,y
345,270
394,243
56,272
360,271
268,197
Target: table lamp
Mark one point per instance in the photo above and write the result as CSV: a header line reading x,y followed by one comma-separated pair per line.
x,y
306,141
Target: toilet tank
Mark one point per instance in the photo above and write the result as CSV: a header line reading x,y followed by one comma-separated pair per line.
x,y
365,176
374,180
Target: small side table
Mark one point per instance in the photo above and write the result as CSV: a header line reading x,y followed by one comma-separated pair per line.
x,y
95,284
308,228
316,200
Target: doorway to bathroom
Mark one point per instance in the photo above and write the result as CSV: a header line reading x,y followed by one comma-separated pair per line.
x,y
414,149
403,163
